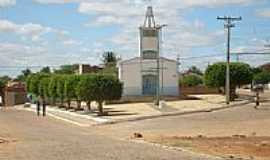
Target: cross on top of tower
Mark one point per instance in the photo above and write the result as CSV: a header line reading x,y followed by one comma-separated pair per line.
x,y
149,18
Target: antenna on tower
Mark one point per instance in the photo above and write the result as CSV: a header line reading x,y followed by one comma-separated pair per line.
x,y
149,18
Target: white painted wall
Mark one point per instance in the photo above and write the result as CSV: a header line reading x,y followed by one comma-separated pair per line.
x,y
130,74
150,43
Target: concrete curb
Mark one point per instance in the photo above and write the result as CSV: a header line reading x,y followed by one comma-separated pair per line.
x,y
104,121
173,114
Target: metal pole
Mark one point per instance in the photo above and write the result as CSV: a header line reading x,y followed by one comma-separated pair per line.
x,y
158,68
228,65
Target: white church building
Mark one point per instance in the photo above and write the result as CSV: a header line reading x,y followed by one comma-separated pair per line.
x,y
140,74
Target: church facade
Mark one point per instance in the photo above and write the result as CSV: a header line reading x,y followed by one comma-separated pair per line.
x,y
149,73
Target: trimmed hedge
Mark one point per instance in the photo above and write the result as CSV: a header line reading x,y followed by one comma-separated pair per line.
x,y
91,87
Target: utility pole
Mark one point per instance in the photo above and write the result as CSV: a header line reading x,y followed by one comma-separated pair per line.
x,y
159,30
228,25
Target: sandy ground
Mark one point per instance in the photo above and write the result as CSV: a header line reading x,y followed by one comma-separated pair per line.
x,y
236,132
46,138
236,146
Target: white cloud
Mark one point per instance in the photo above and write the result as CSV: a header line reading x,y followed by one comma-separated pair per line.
x,y
34,31
129,15
6,3
16,57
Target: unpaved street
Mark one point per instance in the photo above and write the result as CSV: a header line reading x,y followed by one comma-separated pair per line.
x,y
46,138
28,137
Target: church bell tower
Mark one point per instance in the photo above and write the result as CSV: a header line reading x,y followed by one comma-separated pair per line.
x,y
149,36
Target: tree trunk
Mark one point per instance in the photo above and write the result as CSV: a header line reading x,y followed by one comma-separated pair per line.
x,y
68,104
100,108
88,105
62,102
78,104
233,94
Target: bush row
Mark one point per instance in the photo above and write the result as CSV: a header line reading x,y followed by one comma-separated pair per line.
x,y
66,88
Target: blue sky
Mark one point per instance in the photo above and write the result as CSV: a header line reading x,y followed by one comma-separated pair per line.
x,y
35,33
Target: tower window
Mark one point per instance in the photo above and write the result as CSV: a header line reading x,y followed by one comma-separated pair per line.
x,y
149,54
150,33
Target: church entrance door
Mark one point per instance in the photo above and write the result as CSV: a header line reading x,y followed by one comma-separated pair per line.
x,y
149,84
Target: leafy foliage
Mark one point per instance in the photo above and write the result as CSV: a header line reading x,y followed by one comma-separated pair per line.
x,y
85,89
92,87
44,87
262,78
191,80
240,74
109,58
33,83
195,70
60,87
46,70
70,86
53,88
106,88
25,73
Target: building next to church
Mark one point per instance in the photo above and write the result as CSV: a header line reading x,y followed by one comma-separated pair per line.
x,y
140,74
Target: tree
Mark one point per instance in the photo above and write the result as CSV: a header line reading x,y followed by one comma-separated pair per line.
x,y
106,88
53,88
2,84
25,73
61,88
85,89
44,87
46,70
240,74
109,58
195,70
67,69
262,78
33,83
70,86
191,80
5,78
256,70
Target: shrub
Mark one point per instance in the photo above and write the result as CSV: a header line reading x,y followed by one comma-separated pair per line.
x,y
262,78
33,83
60,88
191,80
106,88
85,89
70,86
53,88
44,87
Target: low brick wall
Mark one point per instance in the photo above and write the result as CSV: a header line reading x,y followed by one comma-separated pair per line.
x,y
198,90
